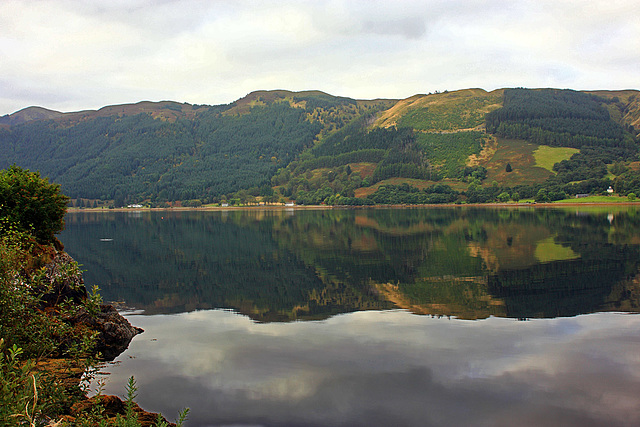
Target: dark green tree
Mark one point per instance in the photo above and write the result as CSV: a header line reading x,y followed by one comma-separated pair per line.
x,y
508,168
542,196
31,203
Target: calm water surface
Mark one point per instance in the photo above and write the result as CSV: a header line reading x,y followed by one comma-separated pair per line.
x,y
389,317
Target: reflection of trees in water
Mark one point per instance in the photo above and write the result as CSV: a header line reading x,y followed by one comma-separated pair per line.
x,y
275,265
167,263
563,288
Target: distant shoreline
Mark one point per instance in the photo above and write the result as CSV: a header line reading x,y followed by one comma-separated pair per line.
x,y
330,207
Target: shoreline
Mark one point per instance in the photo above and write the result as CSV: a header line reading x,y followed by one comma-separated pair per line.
x,y
330,207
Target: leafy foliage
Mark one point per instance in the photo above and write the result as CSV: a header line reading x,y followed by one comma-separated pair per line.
x,y
32,203
628,183
356,137
394,150
22,319
406,194
590,163
27,397
27,332
371,155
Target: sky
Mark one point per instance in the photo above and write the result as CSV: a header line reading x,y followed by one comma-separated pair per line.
x,y
71,55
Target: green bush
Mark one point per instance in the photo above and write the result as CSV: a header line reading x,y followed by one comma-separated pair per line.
x,y
504,197
31,203
542,196
22,320
28,396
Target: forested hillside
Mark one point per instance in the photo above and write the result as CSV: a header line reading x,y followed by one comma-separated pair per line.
x,y
169,151
558,117
567,118
311,147
474,146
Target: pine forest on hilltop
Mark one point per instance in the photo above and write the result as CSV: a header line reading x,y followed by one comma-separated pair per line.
x,y
313,148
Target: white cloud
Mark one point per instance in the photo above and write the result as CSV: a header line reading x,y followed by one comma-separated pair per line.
x,y
73,55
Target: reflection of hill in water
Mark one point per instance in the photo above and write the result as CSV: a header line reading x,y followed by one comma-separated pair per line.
x,y
563,288
174,263
281,266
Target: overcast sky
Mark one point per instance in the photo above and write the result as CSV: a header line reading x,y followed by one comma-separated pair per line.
x,y
70,55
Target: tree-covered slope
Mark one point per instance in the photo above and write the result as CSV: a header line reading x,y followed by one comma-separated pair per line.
x,y
564,118
471,145
168,151
311,147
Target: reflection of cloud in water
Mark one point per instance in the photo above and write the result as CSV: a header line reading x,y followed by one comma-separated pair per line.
x,y
387,368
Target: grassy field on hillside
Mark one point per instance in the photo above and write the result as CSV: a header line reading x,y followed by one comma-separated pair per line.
x,y
463,113
449,152
364,169
520,155
448,111
546,156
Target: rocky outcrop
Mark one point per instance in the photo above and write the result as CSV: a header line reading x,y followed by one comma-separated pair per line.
x,y
62,282
63,296
114,331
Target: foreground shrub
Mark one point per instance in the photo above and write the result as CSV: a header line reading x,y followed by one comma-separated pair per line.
x,y
32,203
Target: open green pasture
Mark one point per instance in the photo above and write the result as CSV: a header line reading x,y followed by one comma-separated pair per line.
x,y
596,199
547,156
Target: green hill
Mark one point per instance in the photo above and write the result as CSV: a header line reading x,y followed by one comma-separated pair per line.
x,y
168,151
312,147
472,145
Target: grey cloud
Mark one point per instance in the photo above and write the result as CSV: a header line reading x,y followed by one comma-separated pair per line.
x,y
411,28
217,51
388,368
405,398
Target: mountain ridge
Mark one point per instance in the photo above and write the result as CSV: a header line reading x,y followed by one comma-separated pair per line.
x,y
28,114
144,106
154,107
314,147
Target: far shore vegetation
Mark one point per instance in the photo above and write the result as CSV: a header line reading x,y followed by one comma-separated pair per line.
x,y
311,148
